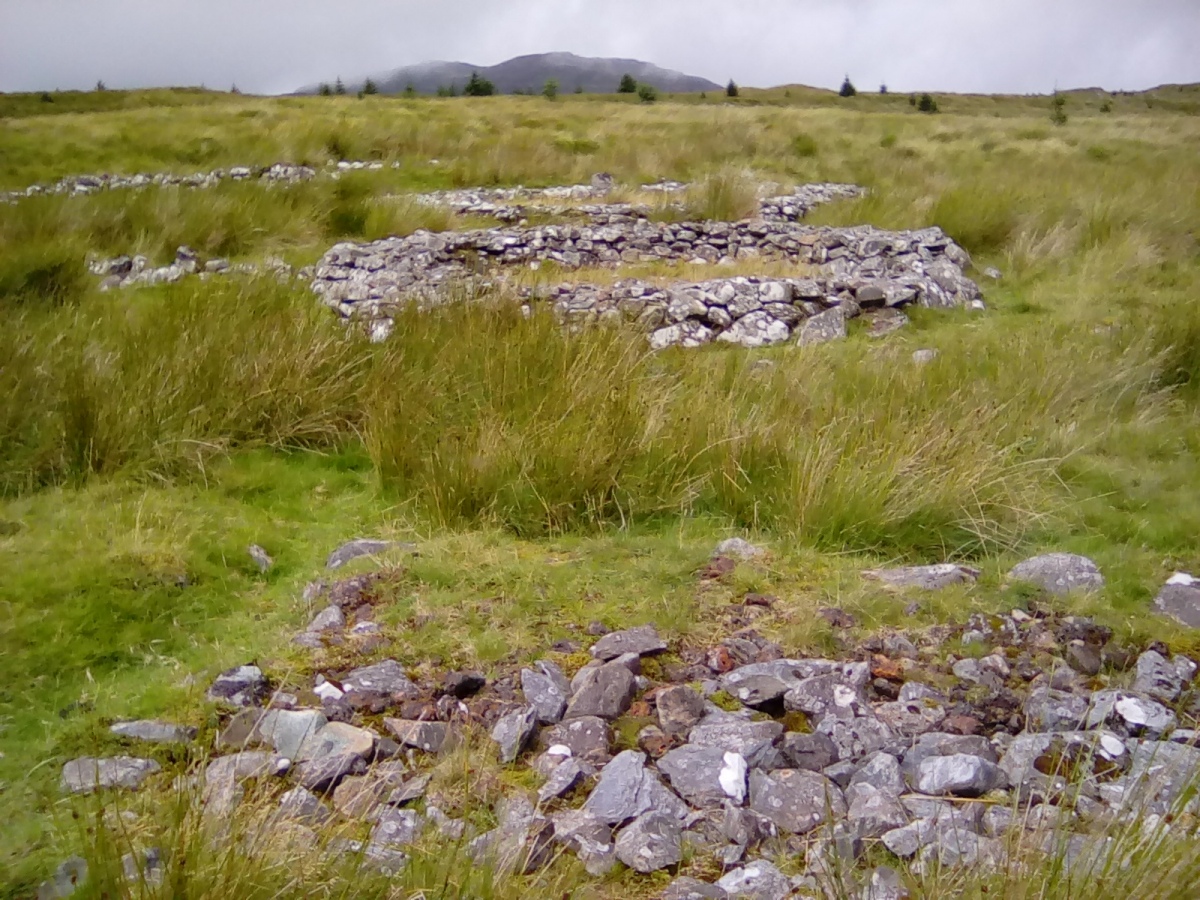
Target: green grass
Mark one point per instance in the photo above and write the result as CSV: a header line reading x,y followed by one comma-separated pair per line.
x,y
148,436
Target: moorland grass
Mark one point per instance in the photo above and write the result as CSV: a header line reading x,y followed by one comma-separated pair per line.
x,y
147,436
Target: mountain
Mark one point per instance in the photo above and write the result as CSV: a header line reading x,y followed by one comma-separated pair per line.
x,y
529,73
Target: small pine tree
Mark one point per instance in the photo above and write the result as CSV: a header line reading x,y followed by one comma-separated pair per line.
x,y
410,90
100,86
550,89
647,93
1106,106
927,104
703,95
912,99
370,87
325,90
1058,109
628,85
478,87
883,89
338,87
848,89
731,89
46,98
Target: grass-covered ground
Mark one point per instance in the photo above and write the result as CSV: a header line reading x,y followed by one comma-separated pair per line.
x,y
147,437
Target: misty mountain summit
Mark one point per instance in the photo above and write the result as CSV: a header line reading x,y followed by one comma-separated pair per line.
x,y
529,74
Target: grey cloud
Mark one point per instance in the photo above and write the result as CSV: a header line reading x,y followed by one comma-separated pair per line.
x,y
273,46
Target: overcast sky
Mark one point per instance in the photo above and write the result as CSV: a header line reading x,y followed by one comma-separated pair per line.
x,y
274,46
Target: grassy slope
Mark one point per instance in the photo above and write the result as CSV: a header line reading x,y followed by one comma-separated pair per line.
x,y
160,429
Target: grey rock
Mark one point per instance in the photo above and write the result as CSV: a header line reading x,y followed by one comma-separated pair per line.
x,y
1059,573
240,686
1162,779
546,688
1159,678
303,805
915,690
514,731
812,752
856,738
953,849
959,774
261,558
822,328
154,732
565,776
1050,710
739,548
882,771
144,868
446,826
288,730
626,789
80,776
1130,713
754,741
885,883
410,790
650,842
928,578
795,800
604,692
693,889
397,828
432,737
912,717
1063,753
359,547
324,774
1180,599
826,696
705,776
335,739
385,679
758,880
874,812
924,356
585,738
939,744
329,619
71,874
642,641
679,708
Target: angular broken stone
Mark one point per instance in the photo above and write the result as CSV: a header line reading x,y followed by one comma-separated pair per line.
x,y
679,708
335,739
585,738
959,774
154,732
1159,678
361,547
738,548
926,578
240,686
547,689
641,641
826,326
284,729
686,888
432,737
1129,713
514,731
565,776
1059,573
1050,710
303,805
812,752
754,741
71,874
604,692
326,773
650,842
873,812
912,717
826,695
1180,599
386,679
758,880
881,771
261,558
706,776
626,789
397,828
858,737
331,618
88,773
795,800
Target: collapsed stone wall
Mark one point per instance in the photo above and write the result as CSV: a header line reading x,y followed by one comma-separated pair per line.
x,y
853,269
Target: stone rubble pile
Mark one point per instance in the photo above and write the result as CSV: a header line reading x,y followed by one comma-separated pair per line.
x,y
81,185
136,271
855,269
945,747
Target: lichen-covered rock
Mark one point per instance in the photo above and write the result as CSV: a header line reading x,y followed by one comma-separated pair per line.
x,y
706,776
641,641
154,732
650,842
88,773
795,800
927,578
547,689
1180,599
514,731
604,692
1059,573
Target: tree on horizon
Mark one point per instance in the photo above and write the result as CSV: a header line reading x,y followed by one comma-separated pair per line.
x,y
628,85
731,89
848,89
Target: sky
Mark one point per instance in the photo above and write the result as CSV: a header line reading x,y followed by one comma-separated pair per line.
x,y
275,46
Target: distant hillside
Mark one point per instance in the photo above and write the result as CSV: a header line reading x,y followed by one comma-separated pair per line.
x,y
529,73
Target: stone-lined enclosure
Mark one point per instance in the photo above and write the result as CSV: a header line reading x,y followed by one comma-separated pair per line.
x,y
853,271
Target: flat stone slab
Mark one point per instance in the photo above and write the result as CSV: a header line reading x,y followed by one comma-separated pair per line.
x,y
650,842
547,689
432,737
80,776
335,739
1180,599
758,880
706,776
240,686
605,692
1059,573
797,801
384,679
642,641
513,732
362,547
154,732
926,578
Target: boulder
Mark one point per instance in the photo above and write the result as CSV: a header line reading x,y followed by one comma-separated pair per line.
x,y
926,578
385,680
547,689
626,789
604,692
738,548
795,800
1160,678
753,741
641,641
514,731
822,328
240,686
679,708
325,773
650,842
154,732
432,737
960,774
585,738
758,880
1059,573
706,776
336,739
86,774
1180,599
